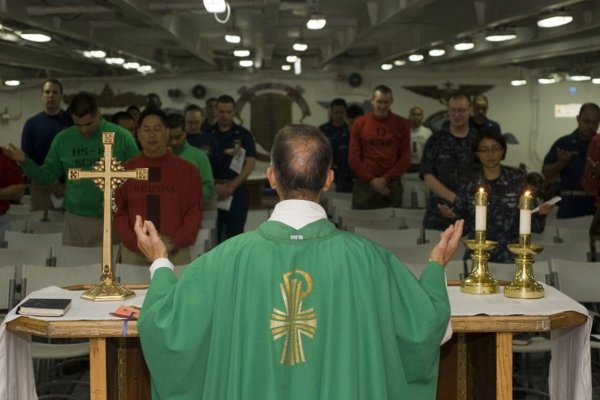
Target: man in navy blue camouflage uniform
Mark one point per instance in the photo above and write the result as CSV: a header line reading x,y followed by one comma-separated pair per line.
x,y
447,161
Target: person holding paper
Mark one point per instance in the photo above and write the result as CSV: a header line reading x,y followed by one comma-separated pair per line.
x,y
503,186
237,159
297,309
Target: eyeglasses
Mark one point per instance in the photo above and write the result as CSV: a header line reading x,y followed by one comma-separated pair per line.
x,y
490,150
458,110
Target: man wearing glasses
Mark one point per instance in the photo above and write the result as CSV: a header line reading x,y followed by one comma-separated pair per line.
x,y
448,160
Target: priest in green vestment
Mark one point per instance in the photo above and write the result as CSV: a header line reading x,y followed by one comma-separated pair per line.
x,y
296,309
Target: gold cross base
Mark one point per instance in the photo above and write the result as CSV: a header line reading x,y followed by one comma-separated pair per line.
x,y
108,290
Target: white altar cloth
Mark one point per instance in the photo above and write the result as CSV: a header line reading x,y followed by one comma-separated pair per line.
x,y
570,368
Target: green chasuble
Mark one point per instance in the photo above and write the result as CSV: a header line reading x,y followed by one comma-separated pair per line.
x,y
280,313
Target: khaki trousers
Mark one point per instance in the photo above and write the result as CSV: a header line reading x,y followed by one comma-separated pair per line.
x,y
82,231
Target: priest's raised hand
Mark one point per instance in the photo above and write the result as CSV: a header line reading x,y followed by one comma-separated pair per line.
x,y
148,241
443,251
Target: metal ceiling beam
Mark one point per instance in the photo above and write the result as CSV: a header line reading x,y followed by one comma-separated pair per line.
x,y
20,56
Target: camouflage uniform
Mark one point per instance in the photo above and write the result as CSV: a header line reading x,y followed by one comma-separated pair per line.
x,y
502,211
450,159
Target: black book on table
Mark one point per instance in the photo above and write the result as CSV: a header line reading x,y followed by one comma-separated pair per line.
x,y
45,307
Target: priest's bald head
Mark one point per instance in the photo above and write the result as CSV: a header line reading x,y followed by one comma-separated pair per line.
x,y
300,163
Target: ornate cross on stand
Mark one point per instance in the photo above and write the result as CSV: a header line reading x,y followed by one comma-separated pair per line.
x,y
108,174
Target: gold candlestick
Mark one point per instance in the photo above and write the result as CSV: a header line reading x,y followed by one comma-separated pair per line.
x,y
524,285
479,280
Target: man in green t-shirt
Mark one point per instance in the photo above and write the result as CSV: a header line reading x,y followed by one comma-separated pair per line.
x,y
79,146
296,309
198,157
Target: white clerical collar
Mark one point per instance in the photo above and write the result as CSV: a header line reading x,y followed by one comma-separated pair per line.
x,y
297,213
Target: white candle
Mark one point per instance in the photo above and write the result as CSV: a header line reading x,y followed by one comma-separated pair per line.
x,y
525,205
481,202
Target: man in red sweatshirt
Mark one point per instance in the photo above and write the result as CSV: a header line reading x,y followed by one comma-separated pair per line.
x,y
379,154
171,197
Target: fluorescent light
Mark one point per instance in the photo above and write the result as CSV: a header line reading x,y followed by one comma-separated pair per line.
x,y
131,65
286,67
98,53
12,82
298,67
298,46
554,19
399,62
215,6
518,82
579,78
8,36
35,37
146,69
386,67
291,59
416,57
464,46
596,81
233,38
114,60
316,21
241,53
546,81
246,63
437,52
500,36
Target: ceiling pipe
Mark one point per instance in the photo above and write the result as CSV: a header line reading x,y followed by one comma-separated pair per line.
x,y
48,10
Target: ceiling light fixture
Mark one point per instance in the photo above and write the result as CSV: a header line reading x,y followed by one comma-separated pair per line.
x,y
12,82
316,22
546,81
291,59
518,82
241,53
596,81
464,45
215,6
146,69
554,19
246,63
416,57
437,52
233,38
579,77
114,60
35,37
298,67
299,46
98,53
386,66
500,35
286,67
399,62
131,65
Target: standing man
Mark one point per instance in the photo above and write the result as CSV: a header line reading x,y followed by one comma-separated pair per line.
x,y
447,161
211,114
479,120
338,132
295,301
379,154
237,153
200,138
566,162
418,136
170,198
79,146
12,188
180,147
38,133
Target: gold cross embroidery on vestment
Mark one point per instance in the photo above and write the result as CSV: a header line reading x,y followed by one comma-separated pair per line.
x,y
293,322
